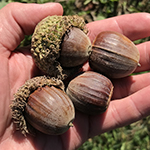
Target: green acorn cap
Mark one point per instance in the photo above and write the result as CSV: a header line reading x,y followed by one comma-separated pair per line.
x,y
47,39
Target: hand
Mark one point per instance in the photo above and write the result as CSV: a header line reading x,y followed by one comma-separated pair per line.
x,y
17,66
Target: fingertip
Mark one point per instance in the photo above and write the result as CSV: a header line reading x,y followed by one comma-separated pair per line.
x,y
56,8
135,26
19,19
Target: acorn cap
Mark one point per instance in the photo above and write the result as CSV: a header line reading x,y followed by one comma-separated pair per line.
x,y
47,39
21,97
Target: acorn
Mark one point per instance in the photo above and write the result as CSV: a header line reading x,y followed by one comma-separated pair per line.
x,y
90,92
114,55
60,42
42,104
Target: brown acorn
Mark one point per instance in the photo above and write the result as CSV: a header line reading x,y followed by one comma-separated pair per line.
x,y
90,92
114,55
60,42
75,48
42,104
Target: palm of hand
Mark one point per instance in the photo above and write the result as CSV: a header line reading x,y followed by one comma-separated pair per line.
x,y
22,62
17,67
24,69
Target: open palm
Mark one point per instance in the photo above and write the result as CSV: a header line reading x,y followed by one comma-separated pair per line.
x,y
131,94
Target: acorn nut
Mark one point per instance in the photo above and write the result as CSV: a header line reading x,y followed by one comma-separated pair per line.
x,y
42,104
59,42
90,92
75,48
114,55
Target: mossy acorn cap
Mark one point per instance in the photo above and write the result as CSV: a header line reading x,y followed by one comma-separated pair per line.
x,y
47,39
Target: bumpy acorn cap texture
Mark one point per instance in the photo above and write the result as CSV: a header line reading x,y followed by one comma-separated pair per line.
x,y
47,39
21,97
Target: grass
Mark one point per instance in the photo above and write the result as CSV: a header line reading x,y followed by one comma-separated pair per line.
x,y
134,136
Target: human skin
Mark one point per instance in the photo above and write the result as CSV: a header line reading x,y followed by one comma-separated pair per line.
x,y
130,101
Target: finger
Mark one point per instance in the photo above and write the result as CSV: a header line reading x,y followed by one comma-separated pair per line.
x,y
18,19
126,86
129,85
144,49
122,112
134,26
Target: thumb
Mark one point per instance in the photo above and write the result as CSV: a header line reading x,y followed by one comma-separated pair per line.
x,y
18,19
